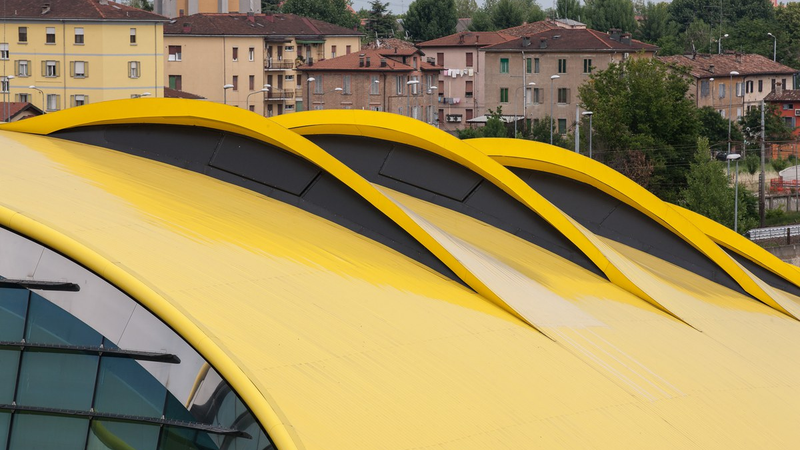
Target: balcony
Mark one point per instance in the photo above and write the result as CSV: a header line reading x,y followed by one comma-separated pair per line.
x,y
280,94
283,64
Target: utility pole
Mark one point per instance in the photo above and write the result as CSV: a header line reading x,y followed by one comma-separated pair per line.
x,y
761,212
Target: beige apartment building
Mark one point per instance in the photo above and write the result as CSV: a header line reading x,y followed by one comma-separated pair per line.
x,y
733,83
398,80
539,73
178,8
231,58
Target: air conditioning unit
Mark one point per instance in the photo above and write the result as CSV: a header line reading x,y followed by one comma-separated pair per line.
x,y
797,112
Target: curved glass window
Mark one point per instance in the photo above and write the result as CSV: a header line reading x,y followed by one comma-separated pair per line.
x,y
64,385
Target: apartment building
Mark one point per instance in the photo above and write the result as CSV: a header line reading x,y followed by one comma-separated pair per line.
x,y
732,83
538,73
59,54
231,57
460,84
398,80
178,8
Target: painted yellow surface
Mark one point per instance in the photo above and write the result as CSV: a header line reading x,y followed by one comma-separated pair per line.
x,y
337,342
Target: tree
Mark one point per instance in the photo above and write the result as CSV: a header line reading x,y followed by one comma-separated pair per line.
x,y
380,22
141,4
482,21
640,105
495,127
331,11
430,19
466,8
507,14
568,9
776,128
604,15
788,33
656,23
720,14
714,127
272,6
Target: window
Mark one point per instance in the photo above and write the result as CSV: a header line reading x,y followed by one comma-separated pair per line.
x,y
133,36
288,78
346,84
760,85
468,89
175,82
529,65
789,122
469,114
333,51
79,69
469,59
537,95
704,88
52,102
318,85
440,59
23,34
739,89
788,106
78,100
235,82
503,65
562,66
79,35
4,84
503,95
347,50
251,54
587,66
235,53
374,85
535,65
749,87
528,95
50,69
24,98
4,51
773,85
563,95
252,108
415,86
562,126
288,48
783,83
134,69
50,35
252,82
401,83
174,53
722,90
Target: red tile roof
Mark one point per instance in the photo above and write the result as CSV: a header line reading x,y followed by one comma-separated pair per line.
x,y
261,25
572,40
17,108
527,29
351,63
174,93
791,95
74,9
469,39
746,64
390,43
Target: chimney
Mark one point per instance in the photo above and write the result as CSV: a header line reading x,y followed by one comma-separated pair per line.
x,y
310,60
461,39
46,8
368,62
711,68
187,27
251,17
779,88
614,34
383,62
477,38
395,49
104,2
543,42
270,17
526,41
361,60
626,38
738,57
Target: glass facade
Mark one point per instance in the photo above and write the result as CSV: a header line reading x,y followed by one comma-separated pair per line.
x,y
66,386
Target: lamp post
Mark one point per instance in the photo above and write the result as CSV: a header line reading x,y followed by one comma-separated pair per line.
x,y
730,109
590,114
376,83
735,157
408,95
719,43
44,107
774,46
309,80
225,93
552,77
524,100
247,102
430,100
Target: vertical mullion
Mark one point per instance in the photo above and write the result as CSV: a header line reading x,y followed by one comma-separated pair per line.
x,y
19,370
94,394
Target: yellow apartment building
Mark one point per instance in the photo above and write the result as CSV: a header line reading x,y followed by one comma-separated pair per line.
x,y
68,53
232,58
178,8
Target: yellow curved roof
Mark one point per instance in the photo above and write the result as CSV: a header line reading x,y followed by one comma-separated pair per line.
x,y
337,342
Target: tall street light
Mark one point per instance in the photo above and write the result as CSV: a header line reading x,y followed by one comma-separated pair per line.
x,y
430,100
774,46
730,110
44,107
408,94
552,77
247,102
376,82
730,158
719,43
225,93
590,114
309,80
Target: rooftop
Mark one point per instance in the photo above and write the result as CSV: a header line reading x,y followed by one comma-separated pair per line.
x,y
790,95
15,108
174,93
708,66
352,62
74,9
469,39
256,24
573,39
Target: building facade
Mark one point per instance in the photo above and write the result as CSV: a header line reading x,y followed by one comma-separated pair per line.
x,y
180,8
397,80
538,75
248,53
787,103
73,52
733,83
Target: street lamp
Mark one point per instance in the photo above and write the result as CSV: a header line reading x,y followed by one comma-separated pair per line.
x,y
552,77
44,107
774,45
430,100
524,101
376,83
309,80
408,95
247,101
735,157
590,114
225,93
730,109
719,43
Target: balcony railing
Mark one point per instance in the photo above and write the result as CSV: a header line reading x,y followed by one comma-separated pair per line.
x,y
280,94
278,64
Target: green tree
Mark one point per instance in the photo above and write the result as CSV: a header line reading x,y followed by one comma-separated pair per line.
x,y
604,15
788,34
540,132
141,4
699,37
380,22
776,128
568,9
501,14
641,106
331,11
714,127
482,21
430,19
684,12
466,8
750,36
273,6
656,23
507,14
495,127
